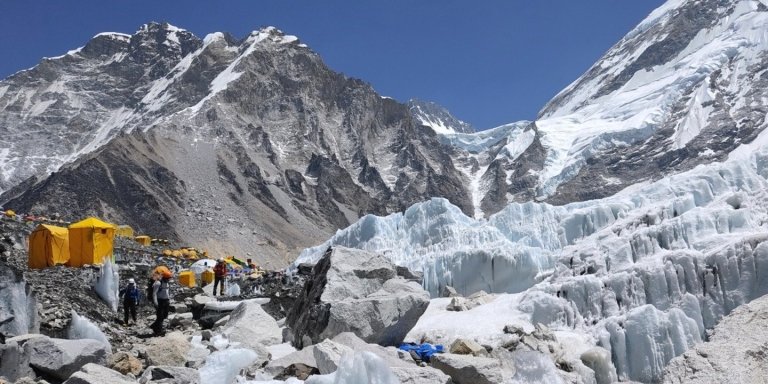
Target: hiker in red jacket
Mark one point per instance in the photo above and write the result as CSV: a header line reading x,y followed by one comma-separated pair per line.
x,y
220,274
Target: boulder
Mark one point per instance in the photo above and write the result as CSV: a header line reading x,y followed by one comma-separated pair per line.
x,y
249,324
421,375
356,291
170,375
464,369
181,320
305,356
405,370
474,300
297,370
170,350
179,308
96,374
513,329
467,347
61,358
201,300
125,363
328,355
409,275
14,359
448,291
220,322
305,269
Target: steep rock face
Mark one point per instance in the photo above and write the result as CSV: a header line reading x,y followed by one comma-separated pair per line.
x,y
71,104
251,141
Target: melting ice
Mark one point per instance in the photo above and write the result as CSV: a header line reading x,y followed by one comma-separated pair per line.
x,y
107,284
82,328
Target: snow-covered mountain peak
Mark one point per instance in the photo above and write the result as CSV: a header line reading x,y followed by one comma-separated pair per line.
x,y
272,35
437,117
684,79
156,35
113,35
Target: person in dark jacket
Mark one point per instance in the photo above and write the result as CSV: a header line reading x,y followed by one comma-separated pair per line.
x,y
220,275
130,295
162,299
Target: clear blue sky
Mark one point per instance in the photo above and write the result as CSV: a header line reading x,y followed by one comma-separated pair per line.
x,y
488,62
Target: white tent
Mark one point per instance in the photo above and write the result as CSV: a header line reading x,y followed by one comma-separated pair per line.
x,y
201,265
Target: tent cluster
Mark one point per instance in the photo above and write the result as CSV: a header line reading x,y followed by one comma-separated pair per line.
x,y
185,253
125,231
31,219
86,242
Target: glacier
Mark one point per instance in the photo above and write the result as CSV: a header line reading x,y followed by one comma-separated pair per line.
x,y
643,273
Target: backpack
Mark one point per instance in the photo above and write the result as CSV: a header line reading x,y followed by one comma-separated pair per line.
x,y
150,291
133,294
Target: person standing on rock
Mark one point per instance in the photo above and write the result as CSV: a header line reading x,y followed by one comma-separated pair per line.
x,y
130,295
220,275
162,299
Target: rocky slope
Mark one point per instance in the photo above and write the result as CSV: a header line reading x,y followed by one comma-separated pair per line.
x,y
72,104
735,352
251,146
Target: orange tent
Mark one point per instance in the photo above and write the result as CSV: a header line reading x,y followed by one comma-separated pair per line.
x,y
48,246
143,240
90,241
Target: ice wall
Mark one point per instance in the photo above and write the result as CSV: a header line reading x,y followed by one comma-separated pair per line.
x,y
18,306
645,272
107,284
82,328
450,248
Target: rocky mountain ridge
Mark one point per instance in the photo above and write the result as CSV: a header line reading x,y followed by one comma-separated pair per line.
x,y
255,141
246,142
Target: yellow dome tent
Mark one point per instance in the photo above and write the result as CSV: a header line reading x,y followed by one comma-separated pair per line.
x,y
10,213
143,240
90,241
124,231
48,246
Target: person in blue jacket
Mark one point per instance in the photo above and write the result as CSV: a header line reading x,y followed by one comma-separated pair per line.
x,y
130,295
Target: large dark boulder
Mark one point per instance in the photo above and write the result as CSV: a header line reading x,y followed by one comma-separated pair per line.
x,y
359,292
